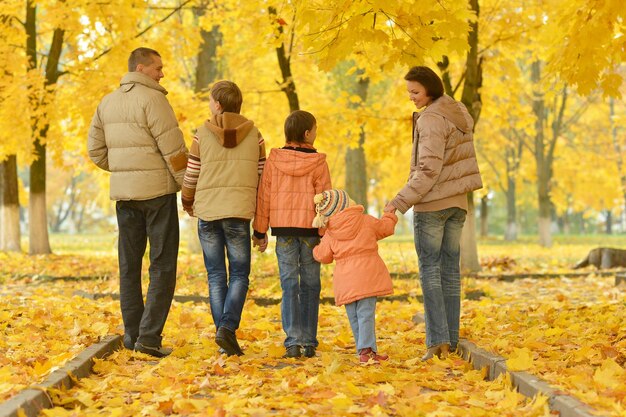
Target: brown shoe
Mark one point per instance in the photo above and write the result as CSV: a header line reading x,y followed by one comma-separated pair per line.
x,y
441,351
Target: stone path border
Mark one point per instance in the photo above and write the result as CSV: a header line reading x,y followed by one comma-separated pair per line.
x,y
526,384
266,301
35,398
260,301
394,275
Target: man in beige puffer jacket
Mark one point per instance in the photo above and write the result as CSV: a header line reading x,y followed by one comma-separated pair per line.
x,y
135,136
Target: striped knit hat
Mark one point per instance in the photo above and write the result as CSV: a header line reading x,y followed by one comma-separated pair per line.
x,y
327,203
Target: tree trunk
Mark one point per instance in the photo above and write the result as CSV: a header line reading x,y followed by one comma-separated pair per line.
x,y
356,164
472,100
542,165
208,68
469,250
64,210
288,86
608,229
620,159
37,221
484,215
10,211
510,233
37,217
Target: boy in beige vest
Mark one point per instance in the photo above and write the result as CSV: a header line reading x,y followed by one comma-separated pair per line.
x,y
220,185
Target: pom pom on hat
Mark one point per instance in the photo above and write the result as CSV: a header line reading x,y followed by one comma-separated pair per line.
x,y
328,203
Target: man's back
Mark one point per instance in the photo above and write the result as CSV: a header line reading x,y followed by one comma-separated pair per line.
x,y
137,129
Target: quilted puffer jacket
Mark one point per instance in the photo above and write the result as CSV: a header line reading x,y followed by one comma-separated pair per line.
x,y
443,159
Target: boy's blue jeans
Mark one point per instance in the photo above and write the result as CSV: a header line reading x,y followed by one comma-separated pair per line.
x,y
362,317
437,242
300,282
220,239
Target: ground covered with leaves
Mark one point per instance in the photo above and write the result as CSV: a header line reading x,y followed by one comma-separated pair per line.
x,y
569,331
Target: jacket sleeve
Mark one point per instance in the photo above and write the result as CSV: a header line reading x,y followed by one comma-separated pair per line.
x,y
323,182
262,154
262,214
168,136
96,143
431,148
192,173
323,252
385,226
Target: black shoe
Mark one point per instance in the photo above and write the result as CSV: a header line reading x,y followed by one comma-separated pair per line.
x,y
157,352
309,351
227,340
293,352
129,342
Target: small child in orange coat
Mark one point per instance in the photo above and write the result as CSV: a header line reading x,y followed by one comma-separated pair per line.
x,y
360,273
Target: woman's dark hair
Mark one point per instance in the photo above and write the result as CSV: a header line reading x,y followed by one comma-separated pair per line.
x,y
428,78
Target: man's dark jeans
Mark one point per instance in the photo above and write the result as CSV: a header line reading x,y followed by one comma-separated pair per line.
x,y
156,221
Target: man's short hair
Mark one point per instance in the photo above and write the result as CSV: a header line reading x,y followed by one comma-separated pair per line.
x,y
296,124
228,95
428,79
141,56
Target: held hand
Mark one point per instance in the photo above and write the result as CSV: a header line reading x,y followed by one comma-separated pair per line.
x,y
189,211
389,208
259,243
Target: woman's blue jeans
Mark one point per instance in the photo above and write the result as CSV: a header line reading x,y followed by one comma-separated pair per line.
x,y
220,239
300,282
438,246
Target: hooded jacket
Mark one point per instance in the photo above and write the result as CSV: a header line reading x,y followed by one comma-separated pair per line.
x,y
443,159
223,168
291,178
351,240
134,134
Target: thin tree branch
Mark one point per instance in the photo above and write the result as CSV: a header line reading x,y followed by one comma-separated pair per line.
x,y
106,51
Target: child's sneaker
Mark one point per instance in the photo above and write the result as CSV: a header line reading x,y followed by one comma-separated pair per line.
x,y
367,354
227,340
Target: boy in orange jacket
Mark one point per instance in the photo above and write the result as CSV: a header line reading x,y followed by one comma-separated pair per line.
x,y
360,273
293,174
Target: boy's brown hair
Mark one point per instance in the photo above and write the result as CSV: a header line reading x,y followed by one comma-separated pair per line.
x,y
296,124
228,95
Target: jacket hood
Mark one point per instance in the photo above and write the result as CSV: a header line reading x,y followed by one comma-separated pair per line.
x,y
346,224
453,110
230,128
295,163
131,78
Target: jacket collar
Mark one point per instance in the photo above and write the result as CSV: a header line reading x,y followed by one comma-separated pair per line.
x,y
143,79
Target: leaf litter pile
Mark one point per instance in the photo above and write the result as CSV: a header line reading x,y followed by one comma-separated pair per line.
x,y
570,332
